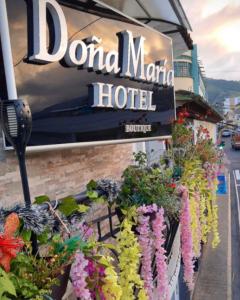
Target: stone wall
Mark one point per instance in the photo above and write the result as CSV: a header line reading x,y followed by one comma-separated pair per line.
x,y
61,173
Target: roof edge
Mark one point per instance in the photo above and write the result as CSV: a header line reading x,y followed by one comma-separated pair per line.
x,y
179,11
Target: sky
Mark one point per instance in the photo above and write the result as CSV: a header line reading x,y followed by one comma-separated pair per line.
x,y
216,31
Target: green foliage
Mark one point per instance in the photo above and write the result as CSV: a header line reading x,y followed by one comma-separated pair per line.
x,y
182,135
68,247
93,194
92,185
33,277
43,238
141,158
184,149
7,288
83,208
68,206
41,199
26,235
219,89
148,186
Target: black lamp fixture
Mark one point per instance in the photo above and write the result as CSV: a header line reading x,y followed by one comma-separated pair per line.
x,y
16,122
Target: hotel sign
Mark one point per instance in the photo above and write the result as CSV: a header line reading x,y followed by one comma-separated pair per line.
x,y
90,75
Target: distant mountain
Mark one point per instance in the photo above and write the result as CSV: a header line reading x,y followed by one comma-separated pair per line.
x,y
219,89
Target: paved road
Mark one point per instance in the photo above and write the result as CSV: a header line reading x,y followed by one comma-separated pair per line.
x,y
233,157
219,275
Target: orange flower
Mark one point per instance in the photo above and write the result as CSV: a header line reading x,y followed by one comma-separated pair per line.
x,y
9,245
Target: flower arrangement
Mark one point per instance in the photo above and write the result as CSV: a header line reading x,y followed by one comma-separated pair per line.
x,y
129,259
186,238
145,242
162,278
180,189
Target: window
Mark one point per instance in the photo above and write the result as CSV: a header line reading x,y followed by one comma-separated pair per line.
x,y
182,69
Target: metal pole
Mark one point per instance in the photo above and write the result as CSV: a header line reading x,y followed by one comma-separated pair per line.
x,y
26,192
12,94
24,178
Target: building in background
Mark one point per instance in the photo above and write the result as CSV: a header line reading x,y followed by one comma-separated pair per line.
x,y
189,73
191,94
230,104
231,111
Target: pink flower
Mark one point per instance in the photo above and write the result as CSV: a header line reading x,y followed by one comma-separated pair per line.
x,y
79,275
145,242
199,229
186,238
144,209
161,264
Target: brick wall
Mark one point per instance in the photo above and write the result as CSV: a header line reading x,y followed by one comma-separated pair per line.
x,y
61,173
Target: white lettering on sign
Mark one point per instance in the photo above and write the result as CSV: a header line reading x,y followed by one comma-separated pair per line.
x,y
138,128
132,56
107,96
90,54
40,52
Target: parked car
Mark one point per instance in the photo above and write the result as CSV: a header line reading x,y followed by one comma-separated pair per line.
x,y
235,141
226,133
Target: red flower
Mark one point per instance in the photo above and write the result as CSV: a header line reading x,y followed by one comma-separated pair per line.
x,y
9,245
180,114
171,185
180,121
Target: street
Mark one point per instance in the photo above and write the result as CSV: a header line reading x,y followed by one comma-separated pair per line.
x,y
233,158
219,274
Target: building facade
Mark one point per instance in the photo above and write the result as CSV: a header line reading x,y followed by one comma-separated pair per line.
x,y
61,159
189,74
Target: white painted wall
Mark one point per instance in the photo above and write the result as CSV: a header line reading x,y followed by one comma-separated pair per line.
x,y
183,83
154,150
211,127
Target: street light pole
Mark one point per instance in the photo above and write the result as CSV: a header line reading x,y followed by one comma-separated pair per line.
x,y
24,178
16,122
12,94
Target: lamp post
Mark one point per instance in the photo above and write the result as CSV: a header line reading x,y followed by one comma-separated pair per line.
x,y
16,122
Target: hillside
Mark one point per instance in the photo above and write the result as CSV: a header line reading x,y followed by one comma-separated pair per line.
x,y
218,89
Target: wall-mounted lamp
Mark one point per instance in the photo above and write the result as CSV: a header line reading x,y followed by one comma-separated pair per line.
x,y
16,122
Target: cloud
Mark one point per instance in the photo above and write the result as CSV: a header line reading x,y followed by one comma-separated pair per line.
x,y
216,29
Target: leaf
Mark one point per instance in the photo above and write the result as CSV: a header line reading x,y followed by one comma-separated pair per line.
x,y
92,185
83,208
43,238
56,238
26,235
92,195
6,285
68,206
100,200
4,297
110,246
41,199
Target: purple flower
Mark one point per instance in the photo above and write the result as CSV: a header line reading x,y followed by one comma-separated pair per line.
x,y
145,242
186,238
78,275
161,259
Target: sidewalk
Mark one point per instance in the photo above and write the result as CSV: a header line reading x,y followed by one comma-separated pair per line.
x,y
214,278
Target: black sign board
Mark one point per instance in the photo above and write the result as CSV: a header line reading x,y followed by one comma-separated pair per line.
x,y
89,73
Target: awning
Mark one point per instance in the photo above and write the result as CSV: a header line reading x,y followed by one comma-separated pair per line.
x,y
197,107
166,16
